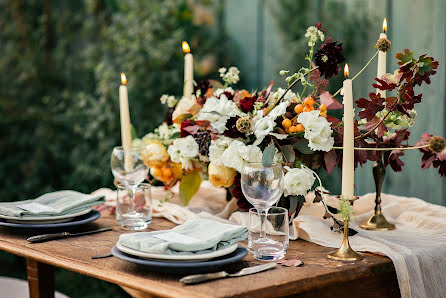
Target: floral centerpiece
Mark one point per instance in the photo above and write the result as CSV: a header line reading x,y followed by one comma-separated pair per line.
x,y
216,132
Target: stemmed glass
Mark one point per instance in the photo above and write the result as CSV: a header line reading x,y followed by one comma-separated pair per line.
x,y
129,169
262,187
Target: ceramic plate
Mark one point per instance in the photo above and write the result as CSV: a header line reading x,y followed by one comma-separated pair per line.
x,y
183,268
53,227
179,258
44,219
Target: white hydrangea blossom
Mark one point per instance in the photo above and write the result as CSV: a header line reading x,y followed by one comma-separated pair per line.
x,y
317,131
169,99
297,181
237,154
231,76
183,150
220,91
163,133
396,120
314,35
218,111
217,148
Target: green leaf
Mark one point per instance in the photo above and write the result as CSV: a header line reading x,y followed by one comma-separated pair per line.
x,y
404,58
268,155
289,153
133,132
296,203
302,146
175,135
189,185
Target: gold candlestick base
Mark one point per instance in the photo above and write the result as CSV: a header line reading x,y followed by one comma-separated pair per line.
x,y
345,252
377,222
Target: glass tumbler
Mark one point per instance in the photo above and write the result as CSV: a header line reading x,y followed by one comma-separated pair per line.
x,y
276,231
137,214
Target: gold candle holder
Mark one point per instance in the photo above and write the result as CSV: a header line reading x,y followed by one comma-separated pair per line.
x,y
377,222
345,252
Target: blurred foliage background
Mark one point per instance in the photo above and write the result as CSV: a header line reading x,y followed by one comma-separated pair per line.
x,y
61,62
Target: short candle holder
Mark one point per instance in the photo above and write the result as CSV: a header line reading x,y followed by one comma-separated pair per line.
x,y
377,222
345,252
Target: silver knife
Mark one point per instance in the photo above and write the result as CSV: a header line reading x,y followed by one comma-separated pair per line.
x,y
48,237
197,278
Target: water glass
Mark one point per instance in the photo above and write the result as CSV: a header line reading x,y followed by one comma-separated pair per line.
x,y
134,214
276,227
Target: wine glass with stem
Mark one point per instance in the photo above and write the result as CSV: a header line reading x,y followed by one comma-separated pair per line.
x,y
128,168
262,187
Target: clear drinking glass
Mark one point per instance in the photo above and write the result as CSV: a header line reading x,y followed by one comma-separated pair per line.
x,y
141,216
262,187
276,229
129,169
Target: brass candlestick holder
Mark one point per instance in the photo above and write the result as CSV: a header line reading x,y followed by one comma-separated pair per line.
x,y
345,252
377,222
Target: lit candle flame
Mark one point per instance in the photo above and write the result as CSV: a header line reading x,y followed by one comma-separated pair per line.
x,y
385,25
186,48
346,70
123,79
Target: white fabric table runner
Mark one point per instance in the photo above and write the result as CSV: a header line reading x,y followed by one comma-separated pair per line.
x,y
417,247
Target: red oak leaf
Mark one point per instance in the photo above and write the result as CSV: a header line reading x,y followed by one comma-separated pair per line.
x,y
383,85
330,159
370,107
405,57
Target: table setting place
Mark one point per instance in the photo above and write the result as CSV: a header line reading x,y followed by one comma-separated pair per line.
x,y
239,174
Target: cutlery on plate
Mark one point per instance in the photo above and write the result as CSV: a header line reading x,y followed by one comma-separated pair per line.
x,y
48,237
197,278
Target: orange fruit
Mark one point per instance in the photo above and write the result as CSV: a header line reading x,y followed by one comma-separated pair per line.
x,y
309,102
293,129
286,123
156,172
308,109
287,130
323,108
167,172
324,114
300,128
299,108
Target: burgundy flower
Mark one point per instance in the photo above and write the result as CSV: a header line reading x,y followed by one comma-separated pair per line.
x,y
247,104
328,57
203,86
231,128
184,124
430,157
237,193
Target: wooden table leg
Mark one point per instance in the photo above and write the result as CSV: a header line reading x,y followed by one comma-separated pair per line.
x,y
40,279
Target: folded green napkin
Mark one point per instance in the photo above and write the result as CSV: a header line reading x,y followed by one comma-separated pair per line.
x,y
52,204
196,236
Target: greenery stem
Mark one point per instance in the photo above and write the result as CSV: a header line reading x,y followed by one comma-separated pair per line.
x,y
387,149
294,83
365,66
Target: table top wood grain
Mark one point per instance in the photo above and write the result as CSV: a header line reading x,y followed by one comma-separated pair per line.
x,y
373,276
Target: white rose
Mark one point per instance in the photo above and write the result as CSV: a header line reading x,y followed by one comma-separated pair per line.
x,y
297,181
183,150
218,111
279,110
317,131
237,154
217,148
263,127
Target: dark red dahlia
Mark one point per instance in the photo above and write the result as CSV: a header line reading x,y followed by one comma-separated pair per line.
x,y
229,95
231,128
328,57
247,104
184,124
237,193
203,86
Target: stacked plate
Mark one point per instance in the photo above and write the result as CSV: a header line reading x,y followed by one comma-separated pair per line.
x,y
183,263
46,223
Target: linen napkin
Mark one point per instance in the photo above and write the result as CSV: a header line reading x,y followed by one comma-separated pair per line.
x,y
52,204
196,236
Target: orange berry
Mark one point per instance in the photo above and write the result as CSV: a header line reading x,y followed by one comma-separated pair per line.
x,y
300,128
309,102
156,172
323,108
286,123
287,130
324,114
299,108
308,109
167,172
293,129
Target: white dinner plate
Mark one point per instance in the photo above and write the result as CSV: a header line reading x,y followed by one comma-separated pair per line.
x,y
44,219
178,258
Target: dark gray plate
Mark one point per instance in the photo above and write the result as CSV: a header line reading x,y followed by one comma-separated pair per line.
x,y
53,227
184,267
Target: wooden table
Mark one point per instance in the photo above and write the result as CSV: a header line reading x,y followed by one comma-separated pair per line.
x,y
319,277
